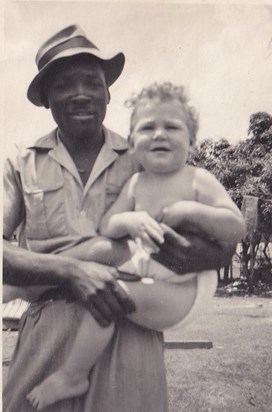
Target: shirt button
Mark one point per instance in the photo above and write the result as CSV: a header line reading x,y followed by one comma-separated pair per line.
x,y
83,213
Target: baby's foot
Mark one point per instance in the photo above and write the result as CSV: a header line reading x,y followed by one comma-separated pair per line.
x,y
56,387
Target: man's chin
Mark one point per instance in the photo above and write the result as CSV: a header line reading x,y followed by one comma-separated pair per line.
x,y
81,127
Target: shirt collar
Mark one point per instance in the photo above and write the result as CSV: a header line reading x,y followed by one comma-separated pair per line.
x,y
112,140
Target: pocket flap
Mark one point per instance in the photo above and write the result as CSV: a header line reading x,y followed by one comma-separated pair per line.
x,y
45,186
113,188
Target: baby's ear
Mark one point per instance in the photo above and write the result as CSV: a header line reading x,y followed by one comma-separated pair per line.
x,y
190,156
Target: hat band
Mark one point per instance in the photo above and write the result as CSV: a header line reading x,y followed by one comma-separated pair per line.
x,y
79,41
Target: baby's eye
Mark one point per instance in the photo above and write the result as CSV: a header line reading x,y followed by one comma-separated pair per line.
x,y
147,127
172,127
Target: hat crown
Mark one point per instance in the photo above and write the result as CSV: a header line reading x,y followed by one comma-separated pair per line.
x,y
71,36
69,42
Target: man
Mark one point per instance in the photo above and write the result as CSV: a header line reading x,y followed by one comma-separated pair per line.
x,y
57,190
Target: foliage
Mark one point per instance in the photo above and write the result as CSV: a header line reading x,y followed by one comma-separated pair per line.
x,y
245,169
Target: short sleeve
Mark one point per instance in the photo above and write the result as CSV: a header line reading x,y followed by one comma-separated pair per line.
x,y
13,204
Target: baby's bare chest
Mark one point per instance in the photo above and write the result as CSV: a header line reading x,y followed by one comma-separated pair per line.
x,y
154,196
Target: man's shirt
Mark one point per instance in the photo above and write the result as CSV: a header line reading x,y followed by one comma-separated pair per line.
x,y
44,194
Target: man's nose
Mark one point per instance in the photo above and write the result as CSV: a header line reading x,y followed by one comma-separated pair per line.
x,y
81,97
81,91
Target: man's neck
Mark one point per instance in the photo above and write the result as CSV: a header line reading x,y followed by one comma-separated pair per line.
x,y
82,144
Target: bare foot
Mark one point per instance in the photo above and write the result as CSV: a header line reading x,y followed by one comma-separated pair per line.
x,y
56,387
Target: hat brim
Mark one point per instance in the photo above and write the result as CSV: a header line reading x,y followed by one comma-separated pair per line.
x,y
112,65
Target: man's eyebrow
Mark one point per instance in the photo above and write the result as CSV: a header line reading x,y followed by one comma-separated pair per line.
x,y
60,77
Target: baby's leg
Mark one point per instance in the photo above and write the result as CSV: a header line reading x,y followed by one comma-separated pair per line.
x,y
161,305
72,378
103,250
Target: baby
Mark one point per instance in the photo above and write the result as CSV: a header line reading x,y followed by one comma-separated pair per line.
x,y
167,192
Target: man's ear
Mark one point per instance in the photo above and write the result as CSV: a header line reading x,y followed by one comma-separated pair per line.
x,y
44,98
109,96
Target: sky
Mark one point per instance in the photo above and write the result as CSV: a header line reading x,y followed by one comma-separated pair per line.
x,y
221,52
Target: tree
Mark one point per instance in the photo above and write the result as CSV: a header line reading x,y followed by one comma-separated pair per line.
x,y
245,169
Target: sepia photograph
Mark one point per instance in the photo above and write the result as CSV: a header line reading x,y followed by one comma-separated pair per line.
x,y
116,117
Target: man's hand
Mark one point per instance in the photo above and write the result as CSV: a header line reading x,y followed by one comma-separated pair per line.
x,y
94,285
186,252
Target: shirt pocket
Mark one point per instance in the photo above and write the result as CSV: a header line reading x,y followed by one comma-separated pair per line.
x,y
45,210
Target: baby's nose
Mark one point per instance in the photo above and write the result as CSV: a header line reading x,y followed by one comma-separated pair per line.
x,y
160,133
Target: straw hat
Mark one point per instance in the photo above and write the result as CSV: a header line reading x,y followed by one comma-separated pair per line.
x,y
69,42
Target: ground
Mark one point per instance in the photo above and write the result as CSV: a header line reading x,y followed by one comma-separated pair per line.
x,y
235,375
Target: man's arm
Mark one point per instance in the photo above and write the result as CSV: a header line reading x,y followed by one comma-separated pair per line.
x,y
25,268
92,284
186,252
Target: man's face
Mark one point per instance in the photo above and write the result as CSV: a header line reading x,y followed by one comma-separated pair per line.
x,y
78,96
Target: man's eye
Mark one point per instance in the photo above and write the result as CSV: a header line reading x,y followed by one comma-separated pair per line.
x,y
60,85
95,84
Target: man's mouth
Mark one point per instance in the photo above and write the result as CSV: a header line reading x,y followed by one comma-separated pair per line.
x,y
80,112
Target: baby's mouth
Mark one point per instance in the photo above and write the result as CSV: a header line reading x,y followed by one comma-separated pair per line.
x,y
160,149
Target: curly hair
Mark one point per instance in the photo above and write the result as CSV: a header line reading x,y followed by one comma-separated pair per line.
x,y
165,92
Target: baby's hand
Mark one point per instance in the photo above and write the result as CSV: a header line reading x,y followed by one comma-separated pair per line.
x,y
175,214
142,225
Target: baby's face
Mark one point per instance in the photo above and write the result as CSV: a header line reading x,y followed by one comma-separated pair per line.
x,y
160,137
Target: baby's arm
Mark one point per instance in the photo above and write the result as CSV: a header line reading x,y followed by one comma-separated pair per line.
x,y
121,219
214,212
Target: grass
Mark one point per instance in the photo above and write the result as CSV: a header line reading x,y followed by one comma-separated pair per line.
x,y
234,376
